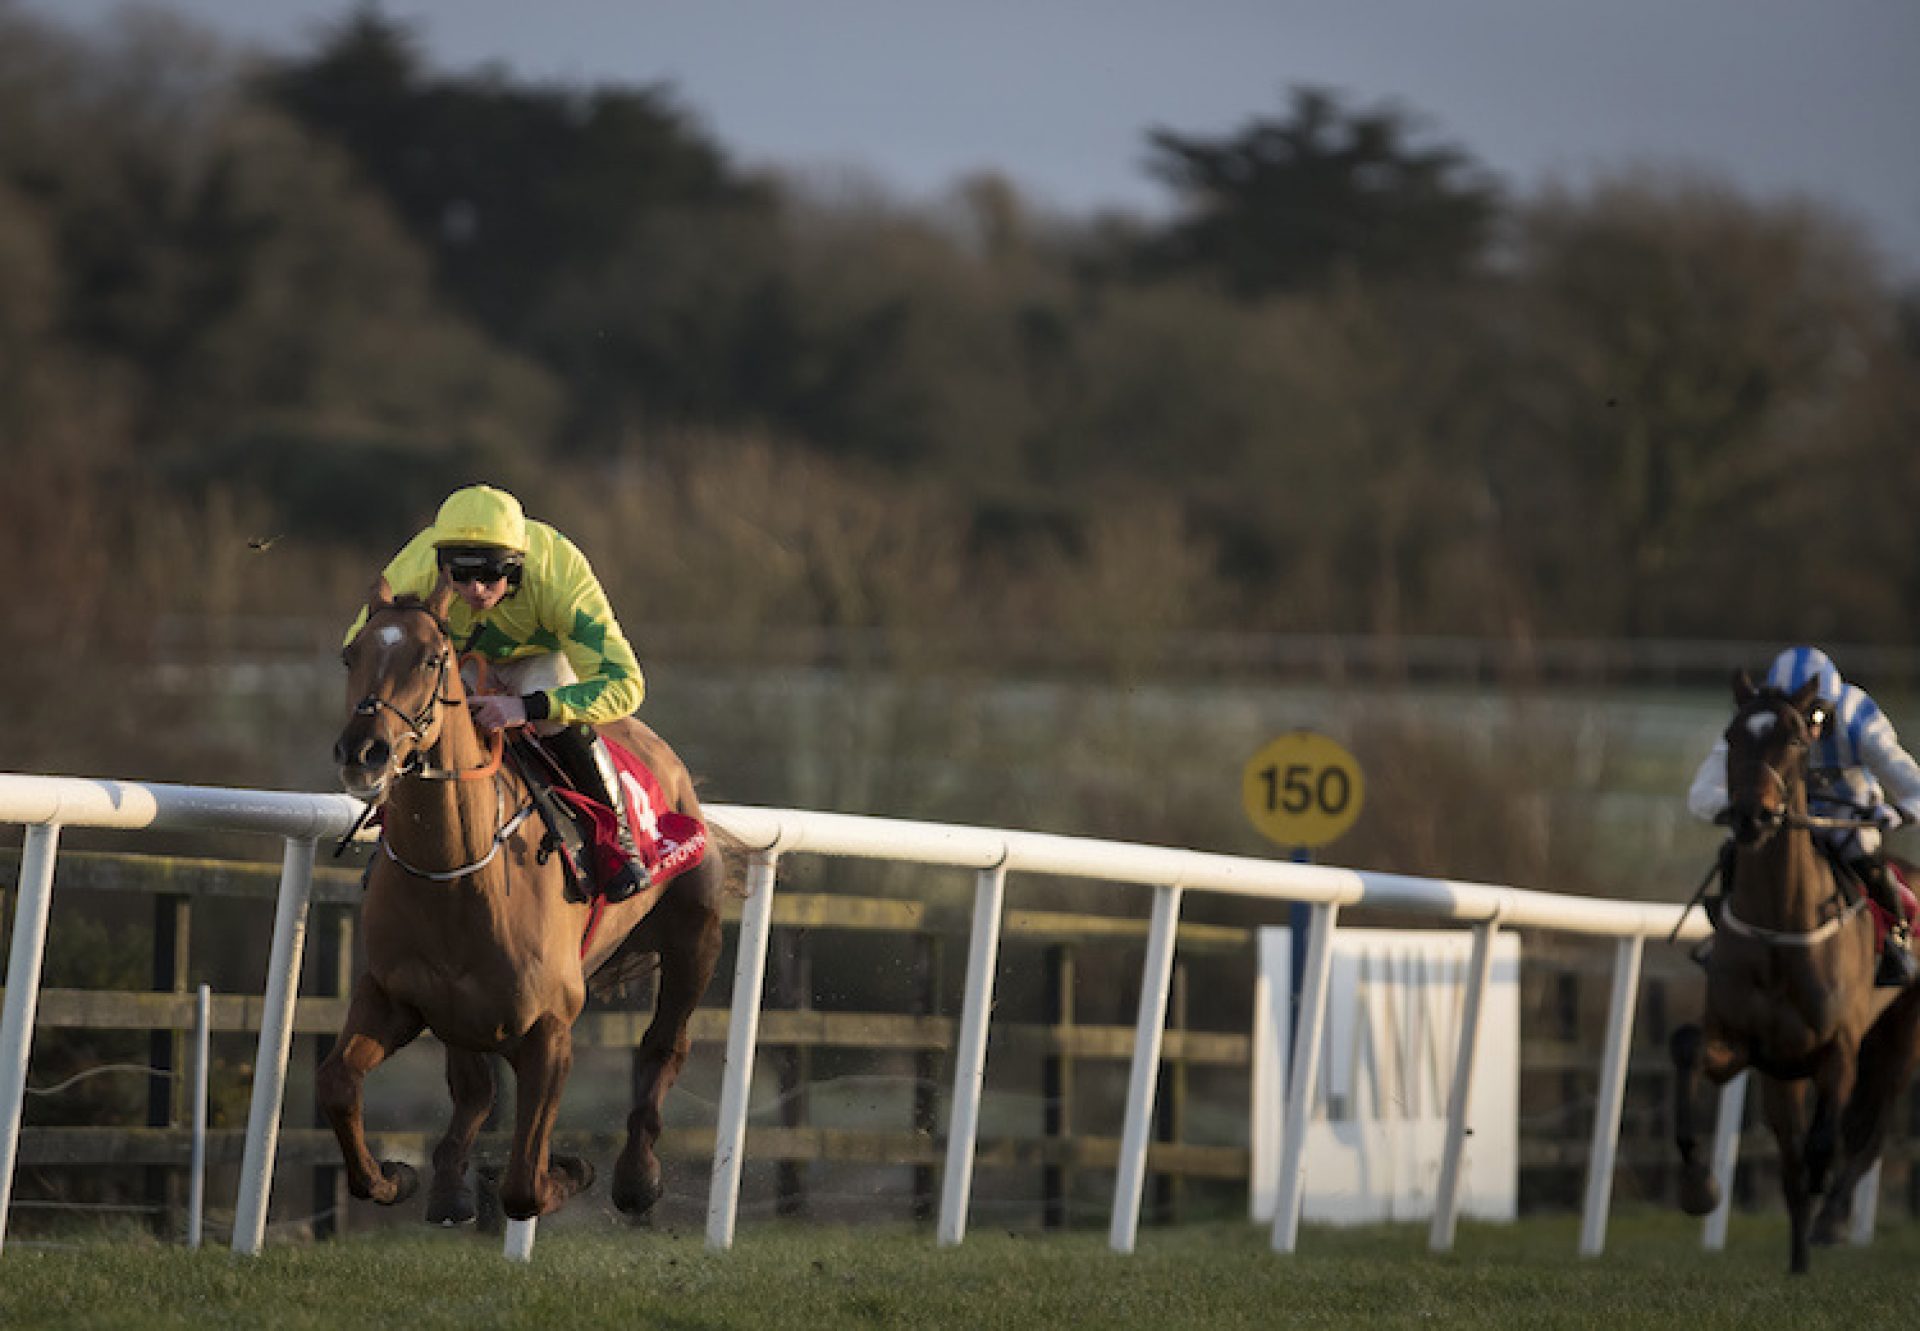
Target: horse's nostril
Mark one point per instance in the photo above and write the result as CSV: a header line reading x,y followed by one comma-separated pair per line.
x,y
377,753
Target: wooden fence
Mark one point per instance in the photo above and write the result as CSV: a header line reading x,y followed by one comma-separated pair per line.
x,y
1564,1001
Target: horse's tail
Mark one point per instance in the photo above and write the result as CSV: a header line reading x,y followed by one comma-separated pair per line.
x,y
733,853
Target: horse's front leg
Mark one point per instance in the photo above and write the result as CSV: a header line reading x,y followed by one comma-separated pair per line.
x,y
1786,1110
470,1084
1833,1081
376,1027
533,1185
1719,1059
688,953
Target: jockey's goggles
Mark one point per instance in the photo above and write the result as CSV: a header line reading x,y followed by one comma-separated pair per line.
x,y
480,565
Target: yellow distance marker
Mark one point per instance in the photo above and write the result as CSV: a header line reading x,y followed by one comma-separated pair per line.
x,y
1302,789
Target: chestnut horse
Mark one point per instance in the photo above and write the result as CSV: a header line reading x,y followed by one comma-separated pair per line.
x,y
470,935
1790,989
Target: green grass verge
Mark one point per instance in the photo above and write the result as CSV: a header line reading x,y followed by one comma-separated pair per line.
x,y
795,1275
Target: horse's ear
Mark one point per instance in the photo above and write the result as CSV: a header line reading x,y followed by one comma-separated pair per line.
x,y
381,596
1742,687
442,599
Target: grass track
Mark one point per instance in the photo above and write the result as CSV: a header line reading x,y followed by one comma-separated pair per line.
x,y
791,1275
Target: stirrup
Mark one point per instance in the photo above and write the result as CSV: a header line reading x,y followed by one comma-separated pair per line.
x,y
631,879
1898,967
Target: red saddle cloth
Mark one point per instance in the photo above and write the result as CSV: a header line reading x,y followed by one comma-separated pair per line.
x,y
1909,905
670,842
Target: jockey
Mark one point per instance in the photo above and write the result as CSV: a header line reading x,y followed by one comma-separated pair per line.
x,y
530,604
1857,770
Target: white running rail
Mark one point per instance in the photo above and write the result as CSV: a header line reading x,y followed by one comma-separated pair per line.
x,y
46,804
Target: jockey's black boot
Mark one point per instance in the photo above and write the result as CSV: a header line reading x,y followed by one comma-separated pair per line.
x,y
1898,968
592,770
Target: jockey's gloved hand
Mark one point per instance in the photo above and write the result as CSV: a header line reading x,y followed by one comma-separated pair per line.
x,y
1890,816
497,711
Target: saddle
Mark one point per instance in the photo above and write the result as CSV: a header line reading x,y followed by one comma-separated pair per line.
x,y
584,833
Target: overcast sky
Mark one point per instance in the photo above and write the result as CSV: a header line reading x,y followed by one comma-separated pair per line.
x,y
1816,97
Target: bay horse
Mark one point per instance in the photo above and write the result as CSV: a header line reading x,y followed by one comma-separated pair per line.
x,y
471,935
1790,980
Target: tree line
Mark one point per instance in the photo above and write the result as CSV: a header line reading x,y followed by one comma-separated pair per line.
x,y
258,313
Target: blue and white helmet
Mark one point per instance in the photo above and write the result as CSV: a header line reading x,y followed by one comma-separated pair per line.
x,y
1795,666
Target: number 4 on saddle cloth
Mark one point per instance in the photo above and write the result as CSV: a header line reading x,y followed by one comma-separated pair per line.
x,y
585,833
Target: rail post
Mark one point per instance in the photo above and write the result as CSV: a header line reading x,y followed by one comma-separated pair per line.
x,y
276,1032
743,1034
1728,1116
1613,1088
970,1059
1303,1083
197,1169
24,957
1170,1115
1866,1206
1149,1034
1446,1201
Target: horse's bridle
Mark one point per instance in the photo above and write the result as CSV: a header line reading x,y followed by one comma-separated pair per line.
x,y
415,765
417,724
1771,820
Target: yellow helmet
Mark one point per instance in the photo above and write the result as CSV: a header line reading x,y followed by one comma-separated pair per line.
x,y
481,515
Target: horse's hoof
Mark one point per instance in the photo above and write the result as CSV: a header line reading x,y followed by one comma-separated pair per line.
x,y
1828,1230
571,1174
636,1190
452,1208
1699,1194
404,1178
